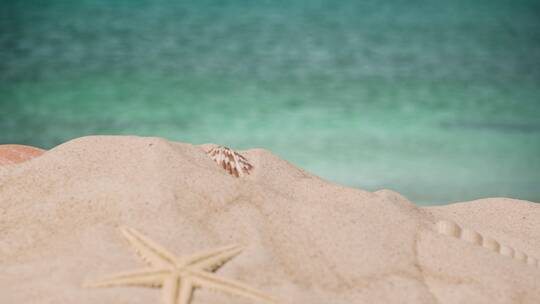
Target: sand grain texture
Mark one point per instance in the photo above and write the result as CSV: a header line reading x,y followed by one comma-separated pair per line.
x,y
14,154
305,240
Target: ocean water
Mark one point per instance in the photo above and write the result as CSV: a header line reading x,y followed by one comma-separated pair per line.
x,y
438,100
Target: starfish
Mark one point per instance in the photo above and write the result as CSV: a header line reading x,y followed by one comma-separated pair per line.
x,y
178,277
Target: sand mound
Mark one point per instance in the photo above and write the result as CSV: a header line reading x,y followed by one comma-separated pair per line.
x,y
305,240
14,154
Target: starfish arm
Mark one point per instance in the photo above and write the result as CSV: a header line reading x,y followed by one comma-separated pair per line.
x,y
152,253
186,291
170,290
209,280
176,290
143,277
211,260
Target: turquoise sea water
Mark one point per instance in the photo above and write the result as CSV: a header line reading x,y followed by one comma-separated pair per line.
x,y
439,100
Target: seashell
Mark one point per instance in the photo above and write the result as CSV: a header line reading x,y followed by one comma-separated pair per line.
x,y
471,236
448,228
231,161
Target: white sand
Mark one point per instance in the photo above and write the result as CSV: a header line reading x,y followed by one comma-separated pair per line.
x,y
307,240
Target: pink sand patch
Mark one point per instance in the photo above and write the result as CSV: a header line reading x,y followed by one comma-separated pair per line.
x,y
14,154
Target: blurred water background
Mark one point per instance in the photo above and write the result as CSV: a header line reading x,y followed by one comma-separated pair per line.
x,y
439,100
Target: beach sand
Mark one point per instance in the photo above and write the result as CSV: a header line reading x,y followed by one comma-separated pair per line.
x,y
305,240
14,154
